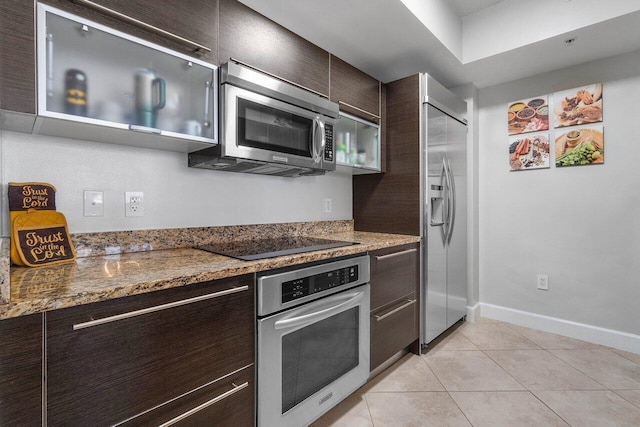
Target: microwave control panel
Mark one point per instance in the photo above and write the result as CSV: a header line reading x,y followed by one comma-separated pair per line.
x,y
300,288
328,145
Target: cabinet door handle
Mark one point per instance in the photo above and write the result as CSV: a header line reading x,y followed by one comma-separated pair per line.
x,y
145,129
140,24
395,254
235,389
395,310
155,308
375,116
275,76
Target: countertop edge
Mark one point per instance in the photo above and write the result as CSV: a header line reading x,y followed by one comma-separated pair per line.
x,y
191,274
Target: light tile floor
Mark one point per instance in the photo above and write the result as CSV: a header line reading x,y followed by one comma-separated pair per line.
x,y
491,373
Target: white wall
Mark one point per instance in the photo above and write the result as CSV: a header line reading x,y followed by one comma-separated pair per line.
x,y
442,19
174,195
579,225
470,94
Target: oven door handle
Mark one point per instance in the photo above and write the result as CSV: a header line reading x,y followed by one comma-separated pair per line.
x,y
343,300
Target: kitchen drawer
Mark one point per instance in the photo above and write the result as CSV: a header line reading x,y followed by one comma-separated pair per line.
x,y
393,328
104,373
228,401
394,273
21,371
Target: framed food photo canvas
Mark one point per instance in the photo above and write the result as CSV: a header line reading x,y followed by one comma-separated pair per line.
x,y
578,106
529,151
528,115
580,146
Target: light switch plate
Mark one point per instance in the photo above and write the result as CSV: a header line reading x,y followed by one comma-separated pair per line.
x,y
93,203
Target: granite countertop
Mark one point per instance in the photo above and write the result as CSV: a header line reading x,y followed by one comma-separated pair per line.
x,y
100,278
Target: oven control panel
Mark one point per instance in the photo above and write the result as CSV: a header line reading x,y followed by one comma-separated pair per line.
x,y
309,285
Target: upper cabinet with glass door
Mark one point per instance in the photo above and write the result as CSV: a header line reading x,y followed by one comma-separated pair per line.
x,y
357,144
99,84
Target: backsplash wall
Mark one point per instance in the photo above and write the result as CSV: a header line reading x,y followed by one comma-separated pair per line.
x,y
175,196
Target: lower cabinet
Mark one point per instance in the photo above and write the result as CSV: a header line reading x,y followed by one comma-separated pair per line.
x,y
395,312
21,371
182,356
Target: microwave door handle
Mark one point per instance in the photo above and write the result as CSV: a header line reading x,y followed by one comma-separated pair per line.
x,y
322,139
313,141
317,151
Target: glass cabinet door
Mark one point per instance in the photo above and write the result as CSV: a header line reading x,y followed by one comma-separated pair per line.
x,y
91,74
358,144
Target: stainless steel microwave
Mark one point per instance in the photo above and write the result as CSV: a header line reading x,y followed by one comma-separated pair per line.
x,y
270,126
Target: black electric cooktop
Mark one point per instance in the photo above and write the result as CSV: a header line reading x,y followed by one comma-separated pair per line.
x,y
249,250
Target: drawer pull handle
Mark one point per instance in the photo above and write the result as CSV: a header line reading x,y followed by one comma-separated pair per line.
x,y
161,307
395,310
235,389
375,116
140,24
395,254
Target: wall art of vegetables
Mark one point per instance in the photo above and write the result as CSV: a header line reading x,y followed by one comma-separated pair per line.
x,y
529,151
580,146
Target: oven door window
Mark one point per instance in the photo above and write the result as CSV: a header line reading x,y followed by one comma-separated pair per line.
x,y
268,128
317,355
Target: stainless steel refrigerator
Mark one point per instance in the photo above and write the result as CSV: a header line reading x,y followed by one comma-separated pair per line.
x,y
444,208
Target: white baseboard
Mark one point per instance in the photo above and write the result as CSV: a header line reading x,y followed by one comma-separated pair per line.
x,y
594,334
473,312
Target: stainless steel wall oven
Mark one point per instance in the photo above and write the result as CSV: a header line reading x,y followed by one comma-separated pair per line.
x,y
313,339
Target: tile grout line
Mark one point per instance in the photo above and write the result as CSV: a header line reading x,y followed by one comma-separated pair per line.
x,y
525,387
366,401
604,387
624,398
550,408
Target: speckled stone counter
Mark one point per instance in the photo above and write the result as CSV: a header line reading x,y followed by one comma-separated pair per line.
x,y
100,278
4,269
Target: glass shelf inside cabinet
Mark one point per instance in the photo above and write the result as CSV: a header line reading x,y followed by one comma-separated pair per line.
x,y
99,84
358,144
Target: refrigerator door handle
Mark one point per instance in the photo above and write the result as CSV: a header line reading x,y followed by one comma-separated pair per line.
x,y
451,190
444,180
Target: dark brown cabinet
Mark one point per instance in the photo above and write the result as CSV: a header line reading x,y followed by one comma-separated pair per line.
x,y
21,371
196,21
17,56
249,37
225,403
390,202
395,314
356,92
172,350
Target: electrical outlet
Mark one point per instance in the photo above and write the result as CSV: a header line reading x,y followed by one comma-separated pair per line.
x,y
93,203
328,205
134,203
543,282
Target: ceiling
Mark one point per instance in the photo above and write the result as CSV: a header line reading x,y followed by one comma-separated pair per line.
x,y
467,7
387,41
